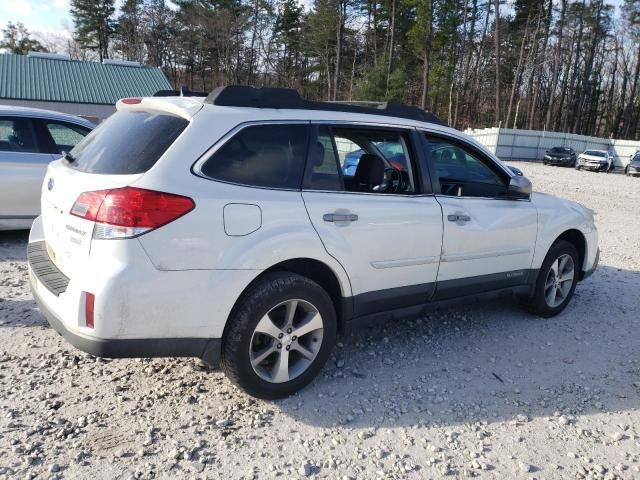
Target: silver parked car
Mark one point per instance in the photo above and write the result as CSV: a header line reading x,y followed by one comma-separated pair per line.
x,y
30,138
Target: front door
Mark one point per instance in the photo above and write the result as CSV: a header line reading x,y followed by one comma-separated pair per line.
x,y
488,240
373,218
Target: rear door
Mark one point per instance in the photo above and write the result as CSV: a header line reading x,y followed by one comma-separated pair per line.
x,y
380,224
23,163
488,240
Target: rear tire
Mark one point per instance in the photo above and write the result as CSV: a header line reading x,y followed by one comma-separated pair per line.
x,y
556,280
260,351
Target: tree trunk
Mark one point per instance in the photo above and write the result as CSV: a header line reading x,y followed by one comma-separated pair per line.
x,y
336,74
556,64
426,60
497,46
516,78
391,40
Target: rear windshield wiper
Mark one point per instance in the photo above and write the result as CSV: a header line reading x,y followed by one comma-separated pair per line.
x,y
68,157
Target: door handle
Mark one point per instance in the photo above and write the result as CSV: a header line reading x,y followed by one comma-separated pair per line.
x,y
458,218
340,217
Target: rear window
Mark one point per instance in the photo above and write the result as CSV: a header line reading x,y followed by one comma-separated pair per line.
x,y
271,155
127,142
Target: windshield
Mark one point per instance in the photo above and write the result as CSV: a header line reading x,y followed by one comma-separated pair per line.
x,y
595,153
560,150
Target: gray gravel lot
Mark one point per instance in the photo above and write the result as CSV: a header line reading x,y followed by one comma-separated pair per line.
x,y
486,390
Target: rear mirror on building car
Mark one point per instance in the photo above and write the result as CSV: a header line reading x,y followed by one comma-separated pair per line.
x,y
519,188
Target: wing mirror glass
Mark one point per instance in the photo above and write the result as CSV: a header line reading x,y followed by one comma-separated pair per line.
x,y
519,188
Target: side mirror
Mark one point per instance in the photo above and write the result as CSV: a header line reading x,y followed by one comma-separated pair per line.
x,y
515,170
519,188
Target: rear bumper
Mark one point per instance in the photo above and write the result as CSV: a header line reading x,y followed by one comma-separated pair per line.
x,y
208,349
139,311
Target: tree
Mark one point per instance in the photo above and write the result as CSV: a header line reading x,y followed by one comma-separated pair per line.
x,y
16,39
567,65
129,37
497,49
94,24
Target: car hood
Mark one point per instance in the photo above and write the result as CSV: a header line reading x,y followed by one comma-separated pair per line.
x,y
594,158
559,155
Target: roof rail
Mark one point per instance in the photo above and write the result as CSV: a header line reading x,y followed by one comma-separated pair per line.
x,y
266,97
183,92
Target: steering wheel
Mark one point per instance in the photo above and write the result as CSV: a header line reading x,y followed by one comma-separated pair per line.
x,y
393,181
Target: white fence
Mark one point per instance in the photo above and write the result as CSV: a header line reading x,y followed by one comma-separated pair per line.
x,y
510,144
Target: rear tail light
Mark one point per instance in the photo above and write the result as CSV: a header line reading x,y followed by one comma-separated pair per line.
x,y
89,303
128,212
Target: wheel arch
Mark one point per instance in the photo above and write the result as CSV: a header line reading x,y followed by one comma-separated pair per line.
x,y
578,240
315,270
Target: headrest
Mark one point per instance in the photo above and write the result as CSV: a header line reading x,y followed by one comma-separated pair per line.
x,y
370,170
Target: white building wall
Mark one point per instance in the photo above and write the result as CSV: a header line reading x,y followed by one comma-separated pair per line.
x,y
510,144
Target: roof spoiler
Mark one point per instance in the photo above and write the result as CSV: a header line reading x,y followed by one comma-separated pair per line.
x,y
267,97
183,92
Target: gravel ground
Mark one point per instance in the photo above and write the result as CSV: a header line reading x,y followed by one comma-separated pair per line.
x,y
486,391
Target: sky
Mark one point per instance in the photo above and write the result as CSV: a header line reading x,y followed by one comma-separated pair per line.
x,y
50,21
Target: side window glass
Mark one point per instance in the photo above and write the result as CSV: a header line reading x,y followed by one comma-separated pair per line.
x,y
17,135
374,161
322,163
462,173
262,155
65,136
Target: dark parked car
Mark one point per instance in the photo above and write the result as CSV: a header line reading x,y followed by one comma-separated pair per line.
x,y
564,156
633,168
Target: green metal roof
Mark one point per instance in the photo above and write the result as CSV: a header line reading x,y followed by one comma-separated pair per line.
x,y
26,77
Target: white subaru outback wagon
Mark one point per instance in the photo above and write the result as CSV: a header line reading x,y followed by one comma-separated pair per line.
x,y
225,228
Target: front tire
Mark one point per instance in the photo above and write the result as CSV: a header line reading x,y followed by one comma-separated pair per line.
x,y
279,335
556,280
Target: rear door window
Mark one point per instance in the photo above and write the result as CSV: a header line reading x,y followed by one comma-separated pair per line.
x,y
270,155
65,136
17,135
128,142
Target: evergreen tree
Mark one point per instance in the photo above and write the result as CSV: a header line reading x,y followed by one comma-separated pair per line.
x,y
94,24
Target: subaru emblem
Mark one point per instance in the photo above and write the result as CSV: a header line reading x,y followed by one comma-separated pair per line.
x,y
50,184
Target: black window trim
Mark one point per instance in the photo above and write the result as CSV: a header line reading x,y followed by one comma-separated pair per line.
x,y
196,168
470,148
421,176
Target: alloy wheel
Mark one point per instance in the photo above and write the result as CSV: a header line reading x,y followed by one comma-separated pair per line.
x,y
286,341
559,280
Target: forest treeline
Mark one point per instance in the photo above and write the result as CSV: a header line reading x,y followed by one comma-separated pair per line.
x,y
561,65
